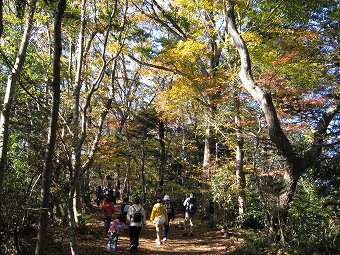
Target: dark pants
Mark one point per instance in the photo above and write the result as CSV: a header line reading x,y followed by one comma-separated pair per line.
x,y
107,222
166,230
134,237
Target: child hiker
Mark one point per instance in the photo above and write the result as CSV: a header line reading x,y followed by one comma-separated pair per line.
x,y
117,227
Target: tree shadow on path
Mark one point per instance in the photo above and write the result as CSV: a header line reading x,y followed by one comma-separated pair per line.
x,y
93,241
205,240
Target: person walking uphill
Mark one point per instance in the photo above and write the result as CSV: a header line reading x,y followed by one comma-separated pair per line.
x,y
117,227
190,210
159,217
136,219
108,210
99,195
171,215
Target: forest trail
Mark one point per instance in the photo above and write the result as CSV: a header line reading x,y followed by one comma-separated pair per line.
x,y
93,240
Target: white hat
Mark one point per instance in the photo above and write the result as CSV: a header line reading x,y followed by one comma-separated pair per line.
x,y
166,197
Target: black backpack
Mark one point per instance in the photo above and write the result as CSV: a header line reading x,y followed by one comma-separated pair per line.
x,y
168,207
137,217
192,207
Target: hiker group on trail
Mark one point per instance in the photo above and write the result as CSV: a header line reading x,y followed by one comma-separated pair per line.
x,y
132,218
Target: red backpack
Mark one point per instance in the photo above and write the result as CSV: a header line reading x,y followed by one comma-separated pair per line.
x,y
108,208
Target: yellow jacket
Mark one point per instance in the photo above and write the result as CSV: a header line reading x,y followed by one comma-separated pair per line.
x,y
157,210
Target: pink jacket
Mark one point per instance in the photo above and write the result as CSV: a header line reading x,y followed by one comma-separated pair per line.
x,y
117,227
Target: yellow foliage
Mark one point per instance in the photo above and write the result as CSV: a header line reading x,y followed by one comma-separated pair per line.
x,y
174,102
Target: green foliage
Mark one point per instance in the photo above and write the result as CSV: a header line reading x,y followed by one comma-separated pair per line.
x,y
224,191
313,225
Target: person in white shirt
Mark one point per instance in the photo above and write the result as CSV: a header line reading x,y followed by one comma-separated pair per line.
x,y
136,219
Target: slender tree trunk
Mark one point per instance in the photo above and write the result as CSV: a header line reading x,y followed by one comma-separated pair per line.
x,y
48,165
207,153
76,146
240,177
143,170
161,130
72,221
10,89
1,24
86,190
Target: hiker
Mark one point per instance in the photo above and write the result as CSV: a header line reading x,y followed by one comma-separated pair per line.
x,y
171,215
124,208
159,217
190,210
108,210
136,219
99,195
110,197
117,227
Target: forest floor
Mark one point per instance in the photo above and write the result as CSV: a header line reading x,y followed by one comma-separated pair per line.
x,y
92,239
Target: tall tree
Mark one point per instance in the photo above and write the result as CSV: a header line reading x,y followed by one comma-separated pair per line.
x,y
52,134
295,164
1,23
10,89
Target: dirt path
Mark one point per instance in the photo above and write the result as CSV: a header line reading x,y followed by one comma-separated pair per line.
x,y
94,239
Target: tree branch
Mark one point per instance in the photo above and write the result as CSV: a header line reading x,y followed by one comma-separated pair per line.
x,y
263,98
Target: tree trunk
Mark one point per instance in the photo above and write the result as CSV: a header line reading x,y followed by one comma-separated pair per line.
x,y
279,214
76,146
1,23
143,170
240,177
161,130
10,89
207,153
48,165
72,221
295,165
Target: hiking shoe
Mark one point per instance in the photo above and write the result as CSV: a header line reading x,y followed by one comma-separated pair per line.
x,y
158,242
164,239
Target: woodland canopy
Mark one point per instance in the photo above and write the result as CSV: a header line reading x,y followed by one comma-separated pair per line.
x,y
234,100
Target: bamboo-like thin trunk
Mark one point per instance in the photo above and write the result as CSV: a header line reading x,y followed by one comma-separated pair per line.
x,y
48,164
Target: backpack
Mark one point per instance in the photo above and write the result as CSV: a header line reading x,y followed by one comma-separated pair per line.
x,y
168,207
137,217
126,208
192,207
109,208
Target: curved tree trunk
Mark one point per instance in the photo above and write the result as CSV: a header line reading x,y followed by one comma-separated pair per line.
x,y
295,165
48,164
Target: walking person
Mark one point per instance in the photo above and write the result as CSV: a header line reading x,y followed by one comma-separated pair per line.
x,y
117,227
190,210
124,208
171,215
159,217
110,197
99,195
136,219
108,210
